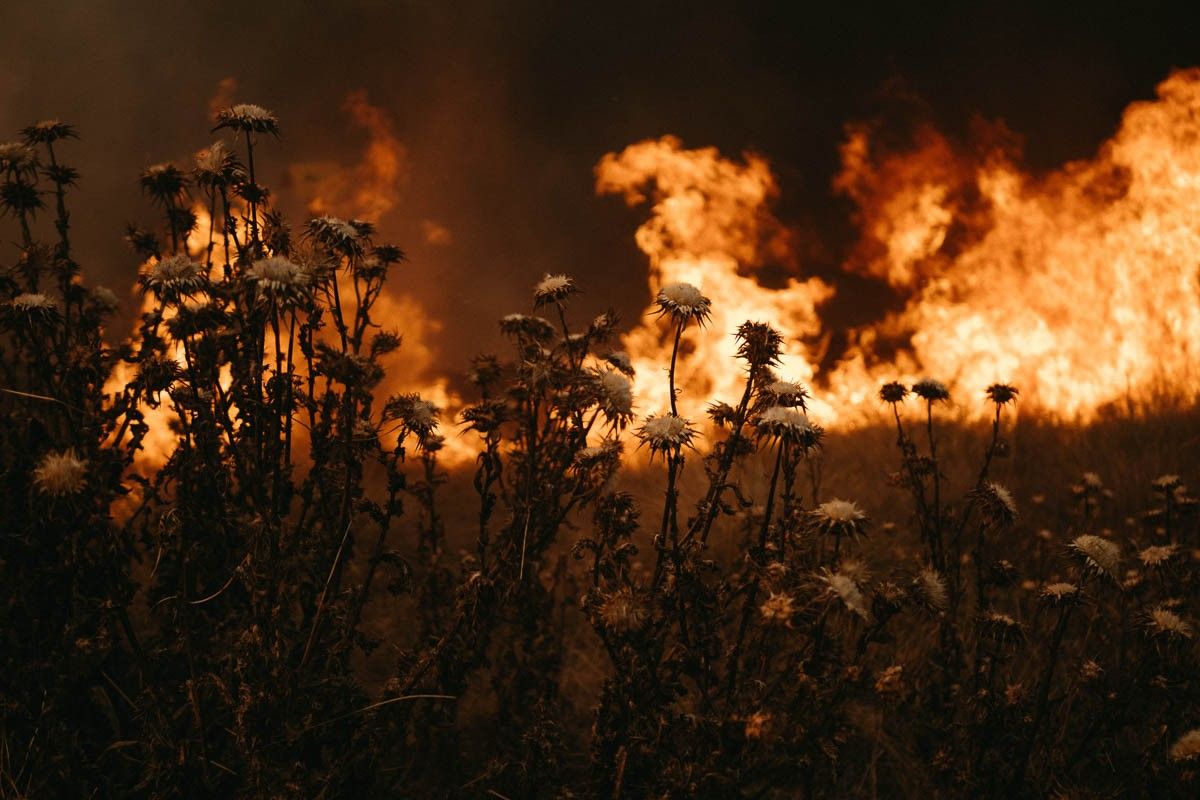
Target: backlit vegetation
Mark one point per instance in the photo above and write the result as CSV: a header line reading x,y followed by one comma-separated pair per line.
x,y
231,565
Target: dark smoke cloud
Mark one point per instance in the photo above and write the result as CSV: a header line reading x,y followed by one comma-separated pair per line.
x,y
504,108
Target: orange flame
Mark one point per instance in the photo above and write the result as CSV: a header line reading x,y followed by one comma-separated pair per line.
x,y
1080,286
710,223
370,190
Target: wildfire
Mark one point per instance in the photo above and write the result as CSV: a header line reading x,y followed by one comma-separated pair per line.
x,y
710,226
368,189
1080,286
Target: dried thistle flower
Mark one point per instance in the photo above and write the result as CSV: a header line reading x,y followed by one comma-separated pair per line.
x,y
666,433
1002,393
684,303
786,394
1091,481
60,473
1133,579
173,277
248,118
485,370
525,326
778,609
787,425
1098,554
619,360
338,235
775,572
217,165
553,289
279,279
589,457
930,390
997,504
157,373
48,131
1161,621
622,612
722,414
17,156
616,397
386,342
1000,627
486,416
1003,573
164,182
1060,594
856,570
416,414
931,589
840,518
846,590
34,304
893,392
758,344
1157,555
603,326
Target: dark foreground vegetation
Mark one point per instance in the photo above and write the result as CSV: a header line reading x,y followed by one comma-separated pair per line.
x,y
283,603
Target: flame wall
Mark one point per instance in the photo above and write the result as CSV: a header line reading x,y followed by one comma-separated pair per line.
x,y
1079,285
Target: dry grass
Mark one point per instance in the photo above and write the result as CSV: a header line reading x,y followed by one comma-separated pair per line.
x,y
298,601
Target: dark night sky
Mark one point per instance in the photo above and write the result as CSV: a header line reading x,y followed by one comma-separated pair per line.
x,y
505,108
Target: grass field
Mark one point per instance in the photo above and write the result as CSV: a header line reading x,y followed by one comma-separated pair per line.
x,y
234,565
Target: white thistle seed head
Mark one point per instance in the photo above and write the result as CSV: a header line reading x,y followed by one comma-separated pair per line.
x,y
839,517
60,473
553,289
787,393
616,396
31,302
788,425
683,302
846,590
666,433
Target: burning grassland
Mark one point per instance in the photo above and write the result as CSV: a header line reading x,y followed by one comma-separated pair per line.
x,y
269,546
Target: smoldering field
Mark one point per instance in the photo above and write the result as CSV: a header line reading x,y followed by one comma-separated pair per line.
x,y
265,548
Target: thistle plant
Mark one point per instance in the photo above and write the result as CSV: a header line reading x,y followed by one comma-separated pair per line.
x,y
234,564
